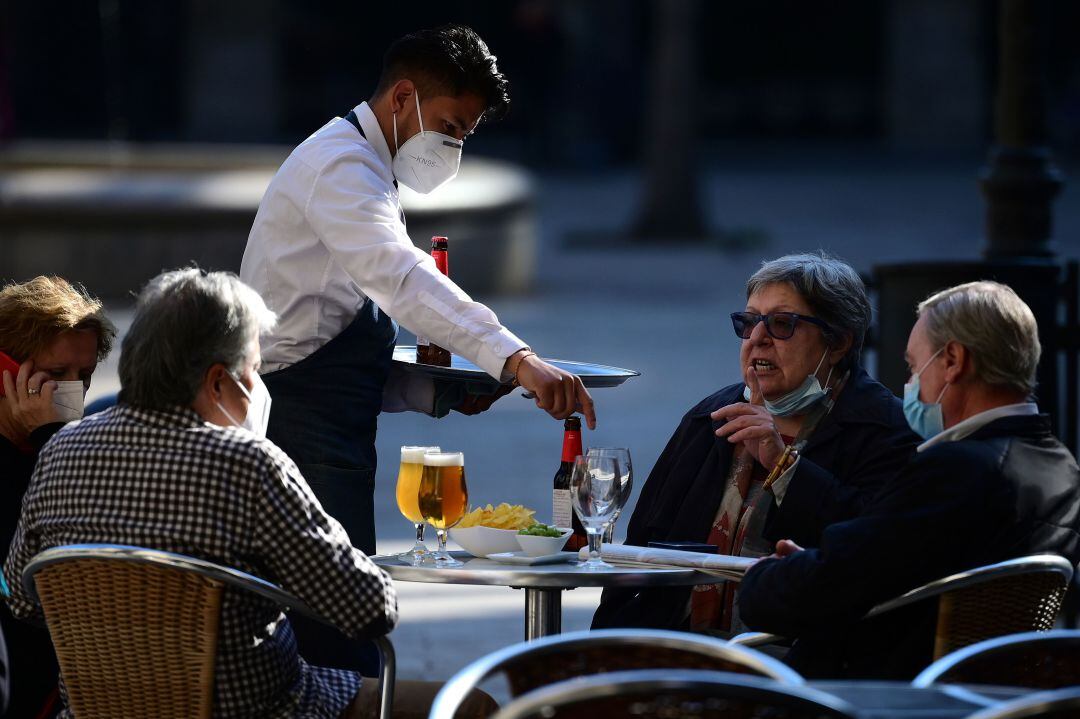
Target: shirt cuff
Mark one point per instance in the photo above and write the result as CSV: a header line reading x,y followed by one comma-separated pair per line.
x,y
495,350
780,484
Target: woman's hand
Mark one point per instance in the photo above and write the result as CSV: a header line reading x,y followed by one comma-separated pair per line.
x,y
751,424
30,398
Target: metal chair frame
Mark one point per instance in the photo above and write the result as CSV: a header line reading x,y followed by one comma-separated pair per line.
x,y
1037,563
712,685
1034,705
5,675
458,687
950,661
228,576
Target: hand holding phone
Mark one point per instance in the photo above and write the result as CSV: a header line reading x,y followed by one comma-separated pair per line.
x,y
6,363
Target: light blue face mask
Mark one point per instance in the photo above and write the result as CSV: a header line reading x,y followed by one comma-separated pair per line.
x,y
924,418
801,398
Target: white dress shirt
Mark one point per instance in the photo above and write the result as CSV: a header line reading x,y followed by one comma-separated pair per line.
x,y
329,234
967,427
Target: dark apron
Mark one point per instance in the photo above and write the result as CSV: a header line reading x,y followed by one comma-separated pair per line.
x,y
324,416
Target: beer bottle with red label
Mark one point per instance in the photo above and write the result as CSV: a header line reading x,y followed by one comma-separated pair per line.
x,y
426,351
562,509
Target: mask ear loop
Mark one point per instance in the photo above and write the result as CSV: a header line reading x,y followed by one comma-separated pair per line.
x,y
416,95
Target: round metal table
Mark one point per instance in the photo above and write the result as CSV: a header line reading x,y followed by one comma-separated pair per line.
x,y
543,583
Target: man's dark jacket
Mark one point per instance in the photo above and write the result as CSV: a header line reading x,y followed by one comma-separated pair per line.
x,y
1008,490
855,449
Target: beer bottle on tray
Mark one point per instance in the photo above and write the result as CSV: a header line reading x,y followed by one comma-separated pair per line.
x,y
562,509
426,351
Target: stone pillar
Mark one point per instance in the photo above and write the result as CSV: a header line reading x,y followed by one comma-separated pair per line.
x,y
1021,180
670,205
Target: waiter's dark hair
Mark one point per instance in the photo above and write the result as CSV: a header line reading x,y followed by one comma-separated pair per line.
x,y
448,60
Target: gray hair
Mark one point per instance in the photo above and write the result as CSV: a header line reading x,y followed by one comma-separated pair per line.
x,y
994,324
833,290
186,321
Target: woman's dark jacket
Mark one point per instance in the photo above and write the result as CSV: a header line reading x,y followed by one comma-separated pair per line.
x,y
33,669
855,449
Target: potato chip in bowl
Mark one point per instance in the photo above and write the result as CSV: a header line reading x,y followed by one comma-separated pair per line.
x,y
490,530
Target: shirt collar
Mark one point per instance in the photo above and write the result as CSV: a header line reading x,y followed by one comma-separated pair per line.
x,y
969,426
373,133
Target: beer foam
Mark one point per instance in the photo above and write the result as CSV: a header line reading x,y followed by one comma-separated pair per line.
x,y
415,455
445,459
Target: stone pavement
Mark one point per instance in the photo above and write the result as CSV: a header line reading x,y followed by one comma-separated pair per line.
x,y
662,311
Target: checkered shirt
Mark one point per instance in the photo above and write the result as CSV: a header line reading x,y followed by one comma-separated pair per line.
x,y
169,480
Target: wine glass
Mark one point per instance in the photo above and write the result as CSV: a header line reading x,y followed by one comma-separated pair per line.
x,y
443,498
596,490
623,455
408,489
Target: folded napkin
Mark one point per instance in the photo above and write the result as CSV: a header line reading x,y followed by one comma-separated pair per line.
x,y
721,565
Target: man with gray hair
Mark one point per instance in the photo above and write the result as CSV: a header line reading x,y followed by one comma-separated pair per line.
x,y
182,464
989,483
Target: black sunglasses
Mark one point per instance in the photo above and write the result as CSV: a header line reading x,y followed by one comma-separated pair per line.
x,y
779,325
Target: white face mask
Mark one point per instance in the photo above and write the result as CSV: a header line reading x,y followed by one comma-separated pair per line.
x,y
258,414
68,399
427,159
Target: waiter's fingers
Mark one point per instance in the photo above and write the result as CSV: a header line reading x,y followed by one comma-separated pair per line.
x,y
584,403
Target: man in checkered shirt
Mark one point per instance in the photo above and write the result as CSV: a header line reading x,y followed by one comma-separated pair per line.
x,y
182,464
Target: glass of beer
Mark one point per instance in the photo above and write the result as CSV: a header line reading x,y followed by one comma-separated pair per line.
x,y
443,498
408,488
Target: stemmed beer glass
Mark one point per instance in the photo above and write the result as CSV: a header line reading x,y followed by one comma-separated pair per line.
x,y
408,489
597,490
622,454
443,498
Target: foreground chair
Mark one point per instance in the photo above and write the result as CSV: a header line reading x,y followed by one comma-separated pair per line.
x,y
665,693
1039,660
1017,595
135,630
5,675
1060,704
529,665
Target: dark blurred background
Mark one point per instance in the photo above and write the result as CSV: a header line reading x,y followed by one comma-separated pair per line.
x,y
912,75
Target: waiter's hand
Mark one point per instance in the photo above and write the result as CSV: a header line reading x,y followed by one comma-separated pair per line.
x,y
558,392
751,424
477,403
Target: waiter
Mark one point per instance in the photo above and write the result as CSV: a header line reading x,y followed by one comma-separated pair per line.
x,y
329,253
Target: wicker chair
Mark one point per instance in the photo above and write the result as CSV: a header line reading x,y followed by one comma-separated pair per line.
x,y
1060,704
529,665
135,630
1017,595
1038,660
665,693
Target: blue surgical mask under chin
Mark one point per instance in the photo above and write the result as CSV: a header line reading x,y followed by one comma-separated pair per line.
x,y
797,401
924,418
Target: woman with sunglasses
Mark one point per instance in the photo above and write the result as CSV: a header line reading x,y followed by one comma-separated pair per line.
x,y
804,439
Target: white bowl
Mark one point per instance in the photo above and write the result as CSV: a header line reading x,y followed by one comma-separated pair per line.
x,y
536,546
482,541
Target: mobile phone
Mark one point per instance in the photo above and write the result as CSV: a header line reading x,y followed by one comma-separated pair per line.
x,y
686,546
6,363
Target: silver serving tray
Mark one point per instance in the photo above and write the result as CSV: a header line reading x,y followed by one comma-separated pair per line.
x,y
462,370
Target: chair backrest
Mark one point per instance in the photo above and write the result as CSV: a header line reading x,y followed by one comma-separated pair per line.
x,y
132,639
660,694
135,629
1060,704
5,675
529,665
1039,660
1018,595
